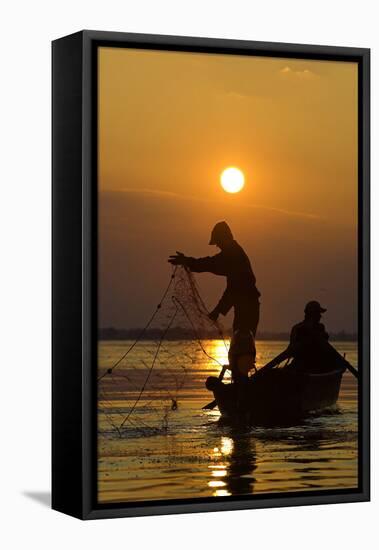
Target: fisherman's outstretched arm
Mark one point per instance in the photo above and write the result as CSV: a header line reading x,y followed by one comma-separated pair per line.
x,y
209,264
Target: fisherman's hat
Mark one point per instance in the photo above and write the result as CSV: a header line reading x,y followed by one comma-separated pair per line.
x,y
220,232
313,307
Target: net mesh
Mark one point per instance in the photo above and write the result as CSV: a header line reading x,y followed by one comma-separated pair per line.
x,y
142,382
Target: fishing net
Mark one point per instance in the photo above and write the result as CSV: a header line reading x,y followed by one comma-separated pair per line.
x,y
143,382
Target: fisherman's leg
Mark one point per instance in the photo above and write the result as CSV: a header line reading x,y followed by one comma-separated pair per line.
x,y
237,320
255,317
246,316
241,389
238,377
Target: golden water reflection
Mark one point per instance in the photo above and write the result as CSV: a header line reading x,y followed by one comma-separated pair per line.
x,y
218,349
233,463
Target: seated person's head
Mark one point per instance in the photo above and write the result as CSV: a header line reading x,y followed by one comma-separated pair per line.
x,y
313,311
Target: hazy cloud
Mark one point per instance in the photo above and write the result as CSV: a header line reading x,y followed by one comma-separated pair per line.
x,y
172,195
304,74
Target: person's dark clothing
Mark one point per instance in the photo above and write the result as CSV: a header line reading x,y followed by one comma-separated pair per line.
x,y
308,334
241,291
246,315
309,343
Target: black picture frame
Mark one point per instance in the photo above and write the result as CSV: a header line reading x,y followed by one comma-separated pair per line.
x,y
74,272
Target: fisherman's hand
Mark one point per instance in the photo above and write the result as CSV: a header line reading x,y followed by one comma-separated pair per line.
x,y
178,259
213,316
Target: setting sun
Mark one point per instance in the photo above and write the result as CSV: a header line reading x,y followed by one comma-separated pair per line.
x,y
232,180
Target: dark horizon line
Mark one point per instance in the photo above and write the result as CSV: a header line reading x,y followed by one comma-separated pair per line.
x,y
180,333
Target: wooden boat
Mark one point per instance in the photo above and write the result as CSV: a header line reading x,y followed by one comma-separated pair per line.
x,y
278,396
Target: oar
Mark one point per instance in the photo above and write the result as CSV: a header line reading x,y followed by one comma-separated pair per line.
x,y
349,367
210,405
342,359
287,353
353,370
278,359
213,403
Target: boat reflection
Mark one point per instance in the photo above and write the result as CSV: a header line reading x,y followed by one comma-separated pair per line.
x,y
233,464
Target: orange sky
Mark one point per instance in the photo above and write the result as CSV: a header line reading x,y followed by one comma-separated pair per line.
x,y
168,125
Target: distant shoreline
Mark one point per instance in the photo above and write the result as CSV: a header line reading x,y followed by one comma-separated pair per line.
x,y
178,333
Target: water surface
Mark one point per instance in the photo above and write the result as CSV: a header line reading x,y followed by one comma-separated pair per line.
x,y
160,444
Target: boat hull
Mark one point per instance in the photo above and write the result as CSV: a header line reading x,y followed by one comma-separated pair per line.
x,y
279,396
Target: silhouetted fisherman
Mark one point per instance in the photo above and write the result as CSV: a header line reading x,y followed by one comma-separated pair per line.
x,y
309,343
241,292
233,263
309,332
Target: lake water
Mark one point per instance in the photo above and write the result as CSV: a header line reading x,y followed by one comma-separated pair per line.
x,y
159,444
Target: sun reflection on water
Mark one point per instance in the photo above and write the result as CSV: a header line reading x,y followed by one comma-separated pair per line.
x,y
219,470
218,349
226,446
216,483
221,493
219,473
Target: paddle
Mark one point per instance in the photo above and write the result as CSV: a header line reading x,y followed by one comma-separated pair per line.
x,y
353,370
288,353
278,359
210,405
346,363
340,359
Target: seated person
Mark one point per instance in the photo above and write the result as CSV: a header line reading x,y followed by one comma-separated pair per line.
x,y
309,343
